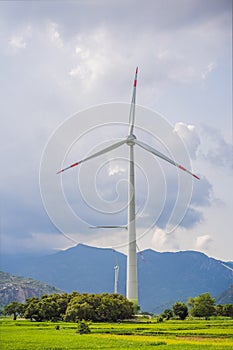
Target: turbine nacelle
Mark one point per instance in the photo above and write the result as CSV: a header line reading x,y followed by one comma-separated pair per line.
x,y
131,140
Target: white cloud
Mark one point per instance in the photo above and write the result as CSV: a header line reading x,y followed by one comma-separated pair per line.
x,y
17,42
162,241
189,136
208,70
203,242
115,169
79,72
55,36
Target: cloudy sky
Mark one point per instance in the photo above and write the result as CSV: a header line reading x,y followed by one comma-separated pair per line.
x,y
67,69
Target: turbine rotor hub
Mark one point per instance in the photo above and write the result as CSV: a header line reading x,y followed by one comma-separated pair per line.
x,y
130,140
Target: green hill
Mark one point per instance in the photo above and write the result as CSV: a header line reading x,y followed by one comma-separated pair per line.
x,y
14,288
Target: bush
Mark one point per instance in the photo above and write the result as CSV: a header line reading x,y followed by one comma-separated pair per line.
x,y
159,319
167,314
180,310
83,327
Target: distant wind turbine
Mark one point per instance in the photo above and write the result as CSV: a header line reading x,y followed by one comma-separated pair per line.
x,y
131,141
116,272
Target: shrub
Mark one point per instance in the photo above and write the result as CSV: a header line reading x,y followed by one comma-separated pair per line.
x,y
180,310
167,314
83,327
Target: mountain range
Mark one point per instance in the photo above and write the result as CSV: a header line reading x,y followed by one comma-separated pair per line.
x,y
164,278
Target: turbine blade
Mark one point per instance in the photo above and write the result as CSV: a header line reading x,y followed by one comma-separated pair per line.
x,y
132,107
161,155
105,150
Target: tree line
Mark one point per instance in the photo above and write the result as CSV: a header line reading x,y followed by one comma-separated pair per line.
x,y
107,308
73,308
201,306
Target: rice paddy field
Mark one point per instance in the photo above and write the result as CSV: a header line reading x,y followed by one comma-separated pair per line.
x,y
211,334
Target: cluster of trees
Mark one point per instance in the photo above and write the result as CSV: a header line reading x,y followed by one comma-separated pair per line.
x,y
201,306
107,307
73,307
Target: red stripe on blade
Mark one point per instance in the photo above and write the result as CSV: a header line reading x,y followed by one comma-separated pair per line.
x,y
181,167
72,165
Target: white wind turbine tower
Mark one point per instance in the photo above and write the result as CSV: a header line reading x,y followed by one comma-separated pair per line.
x,y
116,269
116,273
131,141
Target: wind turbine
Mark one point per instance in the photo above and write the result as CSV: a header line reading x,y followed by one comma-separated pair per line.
x,y
116,275
116,272
131,141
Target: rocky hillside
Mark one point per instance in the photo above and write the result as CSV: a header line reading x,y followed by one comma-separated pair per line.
x,y
13,288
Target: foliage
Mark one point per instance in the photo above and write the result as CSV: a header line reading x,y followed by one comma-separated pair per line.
x,y
48,308
180,310
83,327
219,310
105,308
75,307
33,310
167,314
224,310
160,319
228,310
202,306
99,307
14,308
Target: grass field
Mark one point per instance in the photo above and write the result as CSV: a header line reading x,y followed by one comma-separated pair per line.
x,y
175,335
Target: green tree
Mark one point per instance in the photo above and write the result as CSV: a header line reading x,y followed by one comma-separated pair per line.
x,y
202,306
53,307
219,310
79,310
98,307
14,308
180,310
228,310
48,308
167,314
33,310
115,307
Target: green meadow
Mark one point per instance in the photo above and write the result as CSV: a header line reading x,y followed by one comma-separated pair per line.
x,y
214,334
